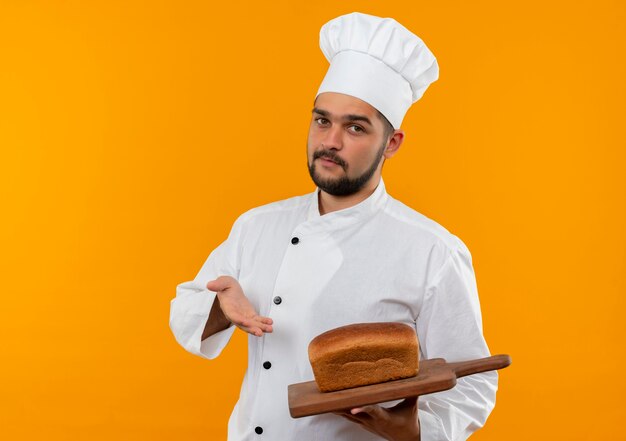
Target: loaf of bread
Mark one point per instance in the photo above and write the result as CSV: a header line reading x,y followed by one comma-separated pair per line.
x,y
363,353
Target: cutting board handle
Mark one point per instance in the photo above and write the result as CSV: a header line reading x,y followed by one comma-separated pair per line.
x,y
463,368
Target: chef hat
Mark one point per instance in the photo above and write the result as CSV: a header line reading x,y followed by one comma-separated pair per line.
x,y
377,60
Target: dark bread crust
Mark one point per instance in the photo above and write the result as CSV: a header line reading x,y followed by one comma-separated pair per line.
x,y
363,353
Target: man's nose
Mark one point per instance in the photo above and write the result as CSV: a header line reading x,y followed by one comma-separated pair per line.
x,y
333,138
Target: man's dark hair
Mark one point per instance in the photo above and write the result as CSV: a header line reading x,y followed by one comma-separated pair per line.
x,y
387,127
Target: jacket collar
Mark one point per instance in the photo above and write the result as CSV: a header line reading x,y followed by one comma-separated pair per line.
x,y
360,211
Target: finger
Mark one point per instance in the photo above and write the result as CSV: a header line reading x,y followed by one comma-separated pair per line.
x,y
349,416
219,284
264,323
265,320
253,323
366,413
365,409
252,327
251,330
264,328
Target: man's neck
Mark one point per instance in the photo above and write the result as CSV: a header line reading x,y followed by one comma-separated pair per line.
x,y
328,203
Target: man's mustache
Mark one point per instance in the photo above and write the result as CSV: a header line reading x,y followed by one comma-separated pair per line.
x,y
331,155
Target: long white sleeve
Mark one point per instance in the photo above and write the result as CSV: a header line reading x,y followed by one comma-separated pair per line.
x,y
450,326
189,310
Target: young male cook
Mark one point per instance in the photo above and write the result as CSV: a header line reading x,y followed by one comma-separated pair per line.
x,y
346,253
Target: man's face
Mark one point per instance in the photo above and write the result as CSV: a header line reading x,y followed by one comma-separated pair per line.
x,y
345,145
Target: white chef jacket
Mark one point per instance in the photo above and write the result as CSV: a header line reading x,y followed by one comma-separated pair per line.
x,y
378,261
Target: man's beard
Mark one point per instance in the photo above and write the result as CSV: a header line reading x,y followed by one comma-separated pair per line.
x,y
343,186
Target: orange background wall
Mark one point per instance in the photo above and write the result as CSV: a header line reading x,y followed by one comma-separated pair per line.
x,y
133,133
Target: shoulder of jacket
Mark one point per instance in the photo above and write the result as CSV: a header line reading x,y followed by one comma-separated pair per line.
x,y
284,206
415,220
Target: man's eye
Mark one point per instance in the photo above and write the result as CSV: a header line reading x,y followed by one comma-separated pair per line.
x,y
321,121
356,129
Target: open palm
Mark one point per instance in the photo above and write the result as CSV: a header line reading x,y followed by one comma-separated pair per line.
x,y
237,308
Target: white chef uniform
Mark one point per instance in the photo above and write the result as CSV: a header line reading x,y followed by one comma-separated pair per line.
x,y
376,261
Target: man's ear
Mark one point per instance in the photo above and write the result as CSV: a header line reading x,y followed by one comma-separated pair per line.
x,y
395,141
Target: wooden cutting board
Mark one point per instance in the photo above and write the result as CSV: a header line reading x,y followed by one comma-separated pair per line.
x,y
434,375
